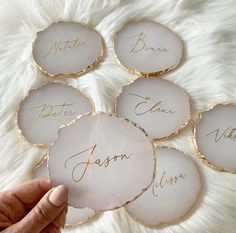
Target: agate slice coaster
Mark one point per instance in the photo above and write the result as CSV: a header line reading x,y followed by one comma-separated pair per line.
x,y
74,216
214,137
157,105
174,192
147,48
67,49
101,157
45,109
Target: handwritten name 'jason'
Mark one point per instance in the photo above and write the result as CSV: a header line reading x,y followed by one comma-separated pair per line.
x,y
88,161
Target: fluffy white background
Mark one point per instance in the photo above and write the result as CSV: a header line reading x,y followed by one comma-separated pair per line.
x,y
207,73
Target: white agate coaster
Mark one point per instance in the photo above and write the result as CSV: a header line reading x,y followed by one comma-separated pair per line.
x,y
74,216
215,134
157,105
45,109
67,49
147,48
173,193
102,161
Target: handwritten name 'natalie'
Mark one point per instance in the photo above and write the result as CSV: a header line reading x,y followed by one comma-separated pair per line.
x,y
63,46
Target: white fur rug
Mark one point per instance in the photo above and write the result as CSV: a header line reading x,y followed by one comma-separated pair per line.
x,y
207,73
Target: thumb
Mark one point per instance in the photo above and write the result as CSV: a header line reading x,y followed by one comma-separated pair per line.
x,y
47,210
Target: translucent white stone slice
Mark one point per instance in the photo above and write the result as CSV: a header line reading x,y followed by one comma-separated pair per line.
x,y
79,216
67,49
146,47
173,193
157,105
47,108
74,216
215,134
105,161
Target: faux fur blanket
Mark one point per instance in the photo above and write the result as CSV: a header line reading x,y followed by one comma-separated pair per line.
x,y
207,74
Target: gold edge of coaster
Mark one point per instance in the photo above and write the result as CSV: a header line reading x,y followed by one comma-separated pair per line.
x,y
19,131
39,164
179,129
129,121
71,75
135,71
187,212
194,141
95,213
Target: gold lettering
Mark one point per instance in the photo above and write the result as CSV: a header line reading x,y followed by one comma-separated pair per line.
x,y
47,110
229,133
148,106
63,46
140,44
90,156
164,181
88,162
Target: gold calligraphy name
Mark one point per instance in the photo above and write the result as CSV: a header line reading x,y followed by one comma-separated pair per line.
x,y
63,46
149,107
166,181
229,133
140,45
88,162
52,111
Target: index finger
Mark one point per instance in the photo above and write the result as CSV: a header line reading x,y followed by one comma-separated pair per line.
x,y
31,192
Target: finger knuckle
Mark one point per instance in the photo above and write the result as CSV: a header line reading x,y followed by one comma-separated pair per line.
x,y
13,229
16,230
41,214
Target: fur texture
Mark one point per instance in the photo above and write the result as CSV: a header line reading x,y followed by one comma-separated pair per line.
x,y
207,73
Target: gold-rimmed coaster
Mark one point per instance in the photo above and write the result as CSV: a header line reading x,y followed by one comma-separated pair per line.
x,y
174,192
74,216
147,48
157,105
101,157
45,109
67,49
214,137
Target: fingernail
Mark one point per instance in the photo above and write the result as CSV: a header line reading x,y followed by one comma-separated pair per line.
x,y
58,196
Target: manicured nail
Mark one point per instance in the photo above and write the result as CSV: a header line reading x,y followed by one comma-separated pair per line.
x,y
58,196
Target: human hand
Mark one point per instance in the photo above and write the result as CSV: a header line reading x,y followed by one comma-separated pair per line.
x,y
33,207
